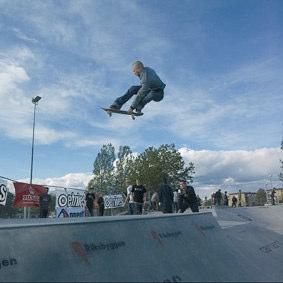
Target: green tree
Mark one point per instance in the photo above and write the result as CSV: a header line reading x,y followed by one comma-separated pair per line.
x,y
261,197
122,169
8,211
150,167
103,170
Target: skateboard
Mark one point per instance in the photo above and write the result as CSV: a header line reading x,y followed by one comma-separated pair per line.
x,y
117,111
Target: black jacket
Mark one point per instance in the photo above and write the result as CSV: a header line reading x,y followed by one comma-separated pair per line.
x,y
166,198
189,195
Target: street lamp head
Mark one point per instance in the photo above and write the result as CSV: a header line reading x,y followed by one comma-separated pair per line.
x,y
35,99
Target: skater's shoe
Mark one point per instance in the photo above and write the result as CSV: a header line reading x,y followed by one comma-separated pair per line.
x,y
138,111
115,107
130,110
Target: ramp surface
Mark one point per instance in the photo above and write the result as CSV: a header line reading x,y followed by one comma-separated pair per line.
x,y
173,248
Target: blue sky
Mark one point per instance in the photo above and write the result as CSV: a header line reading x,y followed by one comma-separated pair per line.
x,y
221,60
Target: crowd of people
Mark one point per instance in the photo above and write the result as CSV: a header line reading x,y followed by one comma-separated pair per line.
x,y
164,199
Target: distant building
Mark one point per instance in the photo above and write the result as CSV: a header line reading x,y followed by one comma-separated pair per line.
x,y
278,196
244,198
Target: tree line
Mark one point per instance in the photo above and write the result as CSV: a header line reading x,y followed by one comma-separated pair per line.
x,y
111,170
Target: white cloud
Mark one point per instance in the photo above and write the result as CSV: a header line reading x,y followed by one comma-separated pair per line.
x,y
71,180
227,170
228,167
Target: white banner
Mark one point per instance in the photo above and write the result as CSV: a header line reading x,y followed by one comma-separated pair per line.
x,y
3,192
70,203
113,201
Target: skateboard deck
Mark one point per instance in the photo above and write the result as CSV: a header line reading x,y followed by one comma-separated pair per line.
x,y
109,111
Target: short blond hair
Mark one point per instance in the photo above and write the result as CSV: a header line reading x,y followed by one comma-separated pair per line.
x,y
138,64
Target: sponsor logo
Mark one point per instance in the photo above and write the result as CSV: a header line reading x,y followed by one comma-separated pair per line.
x,y
270,247
202,228
165,235
3,194
7,262
71,200
84,250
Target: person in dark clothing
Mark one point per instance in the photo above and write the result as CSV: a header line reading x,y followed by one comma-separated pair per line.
x,y
188,197
166,197
218,197
139,197
272,195
234,201
225,199
44,204
90,197
100,202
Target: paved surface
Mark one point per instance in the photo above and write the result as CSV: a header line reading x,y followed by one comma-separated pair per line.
x,y
167,248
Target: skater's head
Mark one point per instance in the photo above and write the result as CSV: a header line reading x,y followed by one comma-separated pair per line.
x,y
183,184
137,67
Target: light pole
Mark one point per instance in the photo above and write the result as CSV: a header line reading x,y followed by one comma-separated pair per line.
x,y
35,101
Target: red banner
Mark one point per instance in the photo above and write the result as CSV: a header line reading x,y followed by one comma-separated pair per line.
x,y
27,195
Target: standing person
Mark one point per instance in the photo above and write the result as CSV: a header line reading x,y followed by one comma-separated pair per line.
x,y
44,204
225,199
100,203
218,197
139,197
213,200
272,195
154,201
130,199
166,196
188,196
90,197
240,198
175,201
151,88
234,201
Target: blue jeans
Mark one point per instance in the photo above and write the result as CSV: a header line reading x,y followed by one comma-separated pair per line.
x,y
131,208
140,100
138,208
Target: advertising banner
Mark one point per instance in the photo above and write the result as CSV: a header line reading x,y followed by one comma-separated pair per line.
x,y
70,203
3,192
113,201
27,195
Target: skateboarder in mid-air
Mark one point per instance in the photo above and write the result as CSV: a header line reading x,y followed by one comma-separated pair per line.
x,y
151,88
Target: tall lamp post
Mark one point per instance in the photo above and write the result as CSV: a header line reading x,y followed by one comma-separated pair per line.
x,y
35,101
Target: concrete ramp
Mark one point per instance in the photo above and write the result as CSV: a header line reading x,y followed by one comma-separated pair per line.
x,y
173,248
270,217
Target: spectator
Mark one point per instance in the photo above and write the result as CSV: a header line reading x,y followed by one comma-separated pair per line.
x,y
234,201
154,201
188,197
218,197
175,201
213,199
139,197
130,198
166,196
199,201
240,198
90,197
272,195
100,203
44,204
225,199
